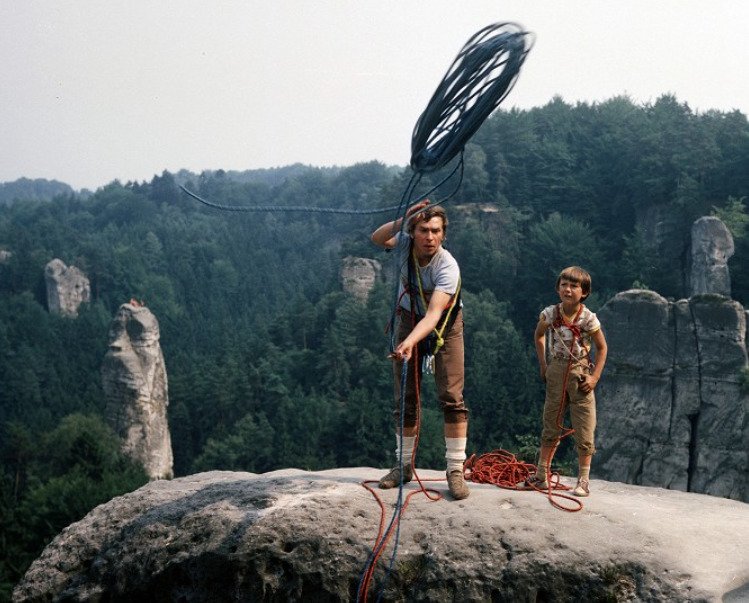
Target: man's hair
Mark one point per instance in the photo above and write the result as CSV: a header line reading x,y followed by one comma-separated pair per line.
x,y
575,274
426,215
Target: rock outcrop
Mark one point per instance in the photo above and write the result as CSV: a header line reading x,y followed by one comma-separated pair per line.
x,y
299,536
696,254
712,246
135,385
359,275
672,405
67,288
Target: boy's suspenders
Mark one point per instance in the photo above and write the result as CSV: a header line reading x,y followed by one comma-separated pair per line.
x,y
577,335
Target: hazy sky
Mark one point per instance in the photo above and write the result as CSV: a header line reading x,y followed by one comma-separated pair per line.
x,y
92,91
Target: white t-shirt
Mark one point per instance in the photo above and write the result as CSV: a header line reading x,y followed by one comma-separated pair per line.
x,y
442,273
562,337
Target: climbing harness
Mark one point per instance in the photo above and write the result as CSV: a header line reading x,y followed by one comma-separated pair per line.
x,y
431,344
577,337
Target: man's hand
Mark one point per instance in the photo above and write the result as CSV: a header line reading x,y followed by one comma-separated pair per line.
x,y
417,207
402,352
384,235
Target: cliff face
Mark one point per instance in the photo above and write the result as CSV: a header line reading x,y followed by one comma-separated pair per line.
x,y
67,288
672,405
305,536
135,385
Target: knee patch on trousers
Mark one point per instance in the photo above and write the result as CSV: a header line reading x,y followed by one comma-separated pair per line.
x,y
453,416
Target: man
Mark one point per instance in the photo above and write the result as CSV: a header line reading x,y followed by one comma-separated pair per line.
x,y
430,313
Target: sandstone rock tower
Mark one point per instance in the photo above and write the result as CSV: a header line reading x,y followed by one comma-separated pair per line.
x,y
67,288
135,384
712,246
359,275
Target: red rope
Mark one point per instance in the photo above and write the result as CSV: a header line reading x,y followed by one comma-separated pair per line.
x,y
502,469
382,539
564,431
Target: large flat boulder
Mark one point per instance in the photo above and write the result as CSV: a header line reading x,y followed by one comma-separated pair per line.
x,y
294,535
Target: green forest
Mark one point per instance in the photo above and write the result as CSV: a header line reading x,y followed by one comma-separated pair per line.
x,y
270,364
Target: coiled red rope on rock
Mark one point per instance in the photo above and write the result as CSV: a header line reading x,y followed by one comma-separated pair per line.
x,y
498,467
501,468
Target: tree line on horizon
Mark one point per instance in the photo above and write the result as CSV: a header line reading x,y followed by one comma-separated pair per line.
x,y
270,363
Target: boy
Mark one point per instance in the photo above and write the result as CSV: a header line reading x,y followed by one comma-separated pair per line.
x,y
570,376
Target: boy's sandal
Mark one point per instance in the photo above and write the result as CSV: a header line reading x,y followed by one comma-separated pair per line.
x,y
537,483
582,488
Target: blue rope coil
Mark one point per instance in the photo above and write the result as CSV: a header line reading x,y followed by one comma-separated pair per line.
x,y
479,79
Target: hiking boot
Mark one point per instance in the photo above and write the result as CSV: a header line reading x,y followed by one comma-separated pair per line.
x,y
457,484
393,479
537,483
582,488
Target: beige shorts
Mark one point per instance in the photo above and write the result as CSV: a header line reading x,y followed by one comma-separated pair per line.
x,y
582,406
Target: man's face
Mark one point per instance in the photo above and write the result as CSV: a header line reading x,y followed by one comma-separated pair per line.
x,y
428,236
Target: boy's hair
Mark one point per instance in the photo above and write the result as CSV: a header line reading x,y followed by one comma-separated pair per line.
x,y
575,274
426,215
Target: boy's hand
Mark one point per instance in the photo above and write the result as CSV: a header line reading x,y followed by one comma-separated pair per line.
x,y
543,374
587,383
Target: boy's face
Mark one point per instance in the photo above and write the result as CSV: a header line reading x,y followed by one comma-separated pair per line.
x,y
570,292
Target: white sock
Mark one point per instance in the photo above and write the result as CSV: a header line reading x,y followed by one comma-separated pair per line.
x,y
408,449
455,453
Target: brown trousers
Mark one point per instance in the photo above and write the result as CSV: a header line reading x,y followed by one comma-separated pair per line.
x,y
449,375
582,406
